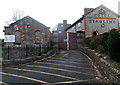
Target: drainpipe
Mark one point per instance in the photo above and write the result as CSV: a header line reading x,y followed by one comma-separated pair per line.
x,y
68,48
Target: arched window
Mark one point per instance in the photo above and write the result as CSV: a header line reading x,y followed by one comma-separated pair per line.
x,y
95,33
37,37
17,37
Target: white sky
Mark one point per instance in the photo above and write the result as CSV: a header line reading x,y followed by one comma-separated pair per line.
x,y
51,12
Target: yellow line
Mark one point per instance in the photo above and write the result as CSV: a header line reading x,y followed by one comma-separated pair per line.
x,y
44,73
65,58
3,83
23,77
72,81
62,65
59,58
59,69
96,69
65,61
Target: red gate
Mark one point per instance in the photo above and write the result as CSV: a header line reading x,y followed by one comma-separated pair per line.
x,y
67,42
72,41
61,43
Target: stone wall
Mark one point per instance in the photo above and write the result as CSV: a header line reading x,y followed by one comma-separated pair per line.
x,y
102,66
11,53
7,63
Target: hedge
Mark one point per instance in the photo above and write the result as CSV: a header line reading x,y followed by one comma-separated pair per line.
x,y
114,44
104,42
108,43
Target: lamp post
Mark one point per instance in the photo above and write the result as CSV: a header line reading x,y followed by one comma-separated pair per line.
x,y
26,38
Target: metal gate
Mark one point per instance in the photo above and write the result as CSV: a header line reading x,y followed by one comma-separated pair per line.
x,y
70,41
62,44
72,44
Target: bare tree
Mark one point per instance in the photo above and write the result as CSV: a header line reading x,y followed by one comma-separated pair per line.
x,y
15,16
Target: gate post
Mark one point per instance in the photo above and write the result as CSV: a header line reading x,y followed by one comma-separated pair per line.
x,y
68,41
8,52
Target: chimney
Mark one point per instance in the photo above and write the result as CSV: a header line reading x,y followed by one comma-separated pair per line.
x,y
87,10
64,24
119,12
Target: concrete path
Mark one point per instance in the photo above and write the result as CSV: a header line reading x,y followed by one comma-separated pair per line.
x,y
64,67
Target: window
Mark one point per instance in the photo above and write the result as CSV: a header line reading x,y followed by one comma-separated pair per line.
x,y
81,21
95,15
60,32
100,15
114,22
78,25
90,21
17,37
97,21
93,21
61,25
37,36
103,21
94,33
100,21
110,21
104,15
107,21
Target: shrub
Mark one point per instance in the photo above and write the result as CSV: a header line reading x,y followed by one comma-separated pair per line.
x,y
93,44
100,49
87,41
114,44
104,42
42,51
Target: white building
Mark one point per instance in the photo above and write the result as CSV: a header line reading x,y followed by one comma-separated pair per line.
x,y
95,21
119,11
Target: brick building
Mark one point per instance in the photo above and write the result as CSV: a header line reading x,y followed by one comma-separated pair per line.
x,y
28,32
58,35
95,21
119,12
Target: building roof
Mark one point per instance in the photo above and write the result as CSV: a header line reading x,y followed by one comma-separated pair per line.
x,y
59,27
29,20
79,20
89,10
102,7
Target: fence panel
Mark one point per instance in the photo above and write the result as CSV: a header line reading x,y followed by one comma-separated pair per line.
x,y
11,52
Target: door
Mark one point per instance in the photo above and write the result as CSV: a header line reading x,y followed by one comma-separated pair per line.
x,y
72,41
62,42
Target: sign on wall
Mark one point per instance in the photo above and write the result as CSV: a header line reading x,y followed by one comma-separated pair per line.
x,y
9,38
65,40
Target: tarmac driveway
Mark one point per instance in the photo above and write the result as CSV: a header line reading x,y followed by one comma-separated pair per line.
x,y
64,67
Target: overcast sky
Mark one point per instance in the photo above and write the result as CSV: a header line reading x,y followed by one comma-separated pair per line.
x,y
51,12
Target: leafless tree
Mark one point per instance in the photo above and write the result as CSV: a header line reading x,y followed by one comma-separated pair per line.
x,y
15,16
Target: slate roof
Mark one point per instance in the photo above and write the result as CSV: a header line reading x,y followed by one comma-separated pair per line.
x,y
79,20
29,20
59,27
90,12
103,7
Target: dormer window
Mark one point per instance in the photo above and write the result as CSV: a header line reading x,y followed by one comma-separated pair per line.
x,y
78,25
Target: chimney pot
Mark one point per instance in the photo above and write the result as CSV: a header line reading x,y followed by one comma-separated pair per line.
x,y
64,24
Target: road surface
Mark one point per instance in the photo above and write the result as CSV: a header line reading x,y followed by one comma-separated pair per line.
x,y
64,67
